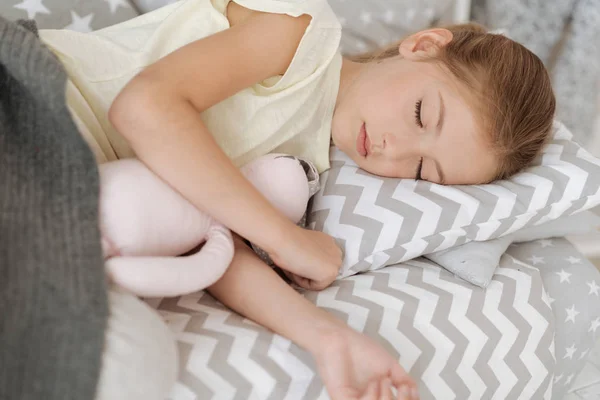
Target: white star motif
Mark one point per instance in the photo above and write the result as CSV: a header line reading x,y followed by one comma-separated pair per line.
x,y
114,4
428,13
361,46
80,24
536,260
583,354
594,325
570,352
564,276
388,17
32,7
569,379
550,300
593,287
410,14
572,313
545,242
573,260
558,378
365,17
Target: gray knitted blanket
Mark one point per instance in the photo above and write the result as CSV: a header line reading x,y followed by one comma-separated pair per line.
x,y
53,300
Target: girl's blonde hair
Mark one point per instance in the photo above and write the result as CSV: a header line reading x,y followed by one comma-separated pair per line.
x,y
511,89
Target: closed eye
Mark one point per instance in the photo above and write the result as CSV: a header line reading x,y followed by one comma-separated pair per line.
x,y
419,168
418,113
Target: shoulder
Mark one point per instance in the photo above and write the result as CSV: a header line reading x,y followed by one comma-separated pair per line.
x,y
238,14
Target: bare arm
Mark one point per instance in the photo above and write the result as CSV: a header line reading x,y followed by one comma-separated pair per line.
x,y
254,290
158,113
350,364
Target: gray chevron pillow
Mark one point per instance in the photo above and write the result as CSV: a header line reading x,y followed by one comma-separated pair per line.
x,y
383,221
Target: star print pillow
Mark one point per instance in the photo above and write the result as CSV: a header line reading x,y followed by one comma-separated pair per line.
x,y
383,221
77,15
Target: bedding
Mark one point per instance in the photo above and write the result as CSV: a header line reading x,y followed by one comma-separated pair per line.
x,y
529,331
573,286
382,221
369,25
511,340
77,15
476,262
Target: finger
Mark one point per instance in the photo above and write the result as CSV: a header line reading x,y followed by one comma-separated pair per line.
x,y
302,282
288,275
316,285
401,379
298,280
372,392
399,376
414,393
404,393
386,389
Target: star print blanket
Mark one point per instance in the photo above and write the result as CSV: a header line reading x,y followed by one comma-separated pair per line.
x,y
77,15
524,337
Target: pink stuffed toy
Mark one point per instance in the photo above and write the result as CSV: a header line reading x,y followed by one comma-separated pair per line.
x,y
146,225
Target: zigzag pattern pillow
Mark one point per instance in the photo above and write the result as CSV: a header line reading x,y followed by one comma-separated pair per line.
x,y
383,221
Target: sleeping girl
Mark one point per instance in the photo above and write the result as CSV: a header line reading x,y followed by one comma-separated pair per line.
x,y
200,88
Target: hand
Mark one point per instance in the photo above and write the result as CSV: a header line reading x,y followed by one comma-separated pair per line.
x,y
311,259
353,367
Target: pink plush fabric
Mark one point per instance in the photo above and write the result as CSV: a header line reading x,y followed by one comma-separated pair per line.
x,y
146,225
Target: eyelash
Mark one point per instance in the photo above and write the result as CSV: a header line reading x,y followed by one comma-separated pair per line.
x,y
418,113
418,178
420,125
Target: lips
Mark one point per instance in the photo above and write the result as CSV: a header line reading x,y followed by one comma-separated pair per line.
x,y
362,142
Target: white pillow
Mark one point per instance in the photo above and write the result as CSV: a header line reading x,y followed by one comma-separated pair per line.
x,y
382,221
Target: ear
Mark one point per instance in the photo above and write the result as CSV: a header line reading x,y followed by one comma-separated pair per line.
x,y
425,43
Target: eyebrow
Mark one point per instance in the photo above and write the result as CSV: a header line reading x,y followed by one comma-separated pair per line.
x,y
439,130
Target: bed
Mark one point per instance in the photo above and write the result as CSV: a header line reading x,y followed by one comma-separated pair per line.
x,y
524,337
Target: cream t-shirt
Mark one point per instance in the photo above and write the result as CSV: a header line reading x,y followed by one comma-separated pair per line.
x,y
288,114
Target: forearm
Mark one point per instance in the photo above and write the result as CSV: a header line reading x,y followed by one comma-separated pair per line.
x,y
254,290
168,135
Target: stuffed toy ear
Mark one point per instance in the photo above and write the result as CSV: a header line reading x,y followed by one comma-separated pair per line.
x,y
282,180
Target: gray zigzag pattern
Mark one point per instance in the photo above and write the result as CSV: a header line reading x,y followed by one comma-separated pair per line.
x,y
543,350
475,314
348,293
408,313
441,321
221,351
512,358
450,206
482,364
352,195
412,216
259,354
